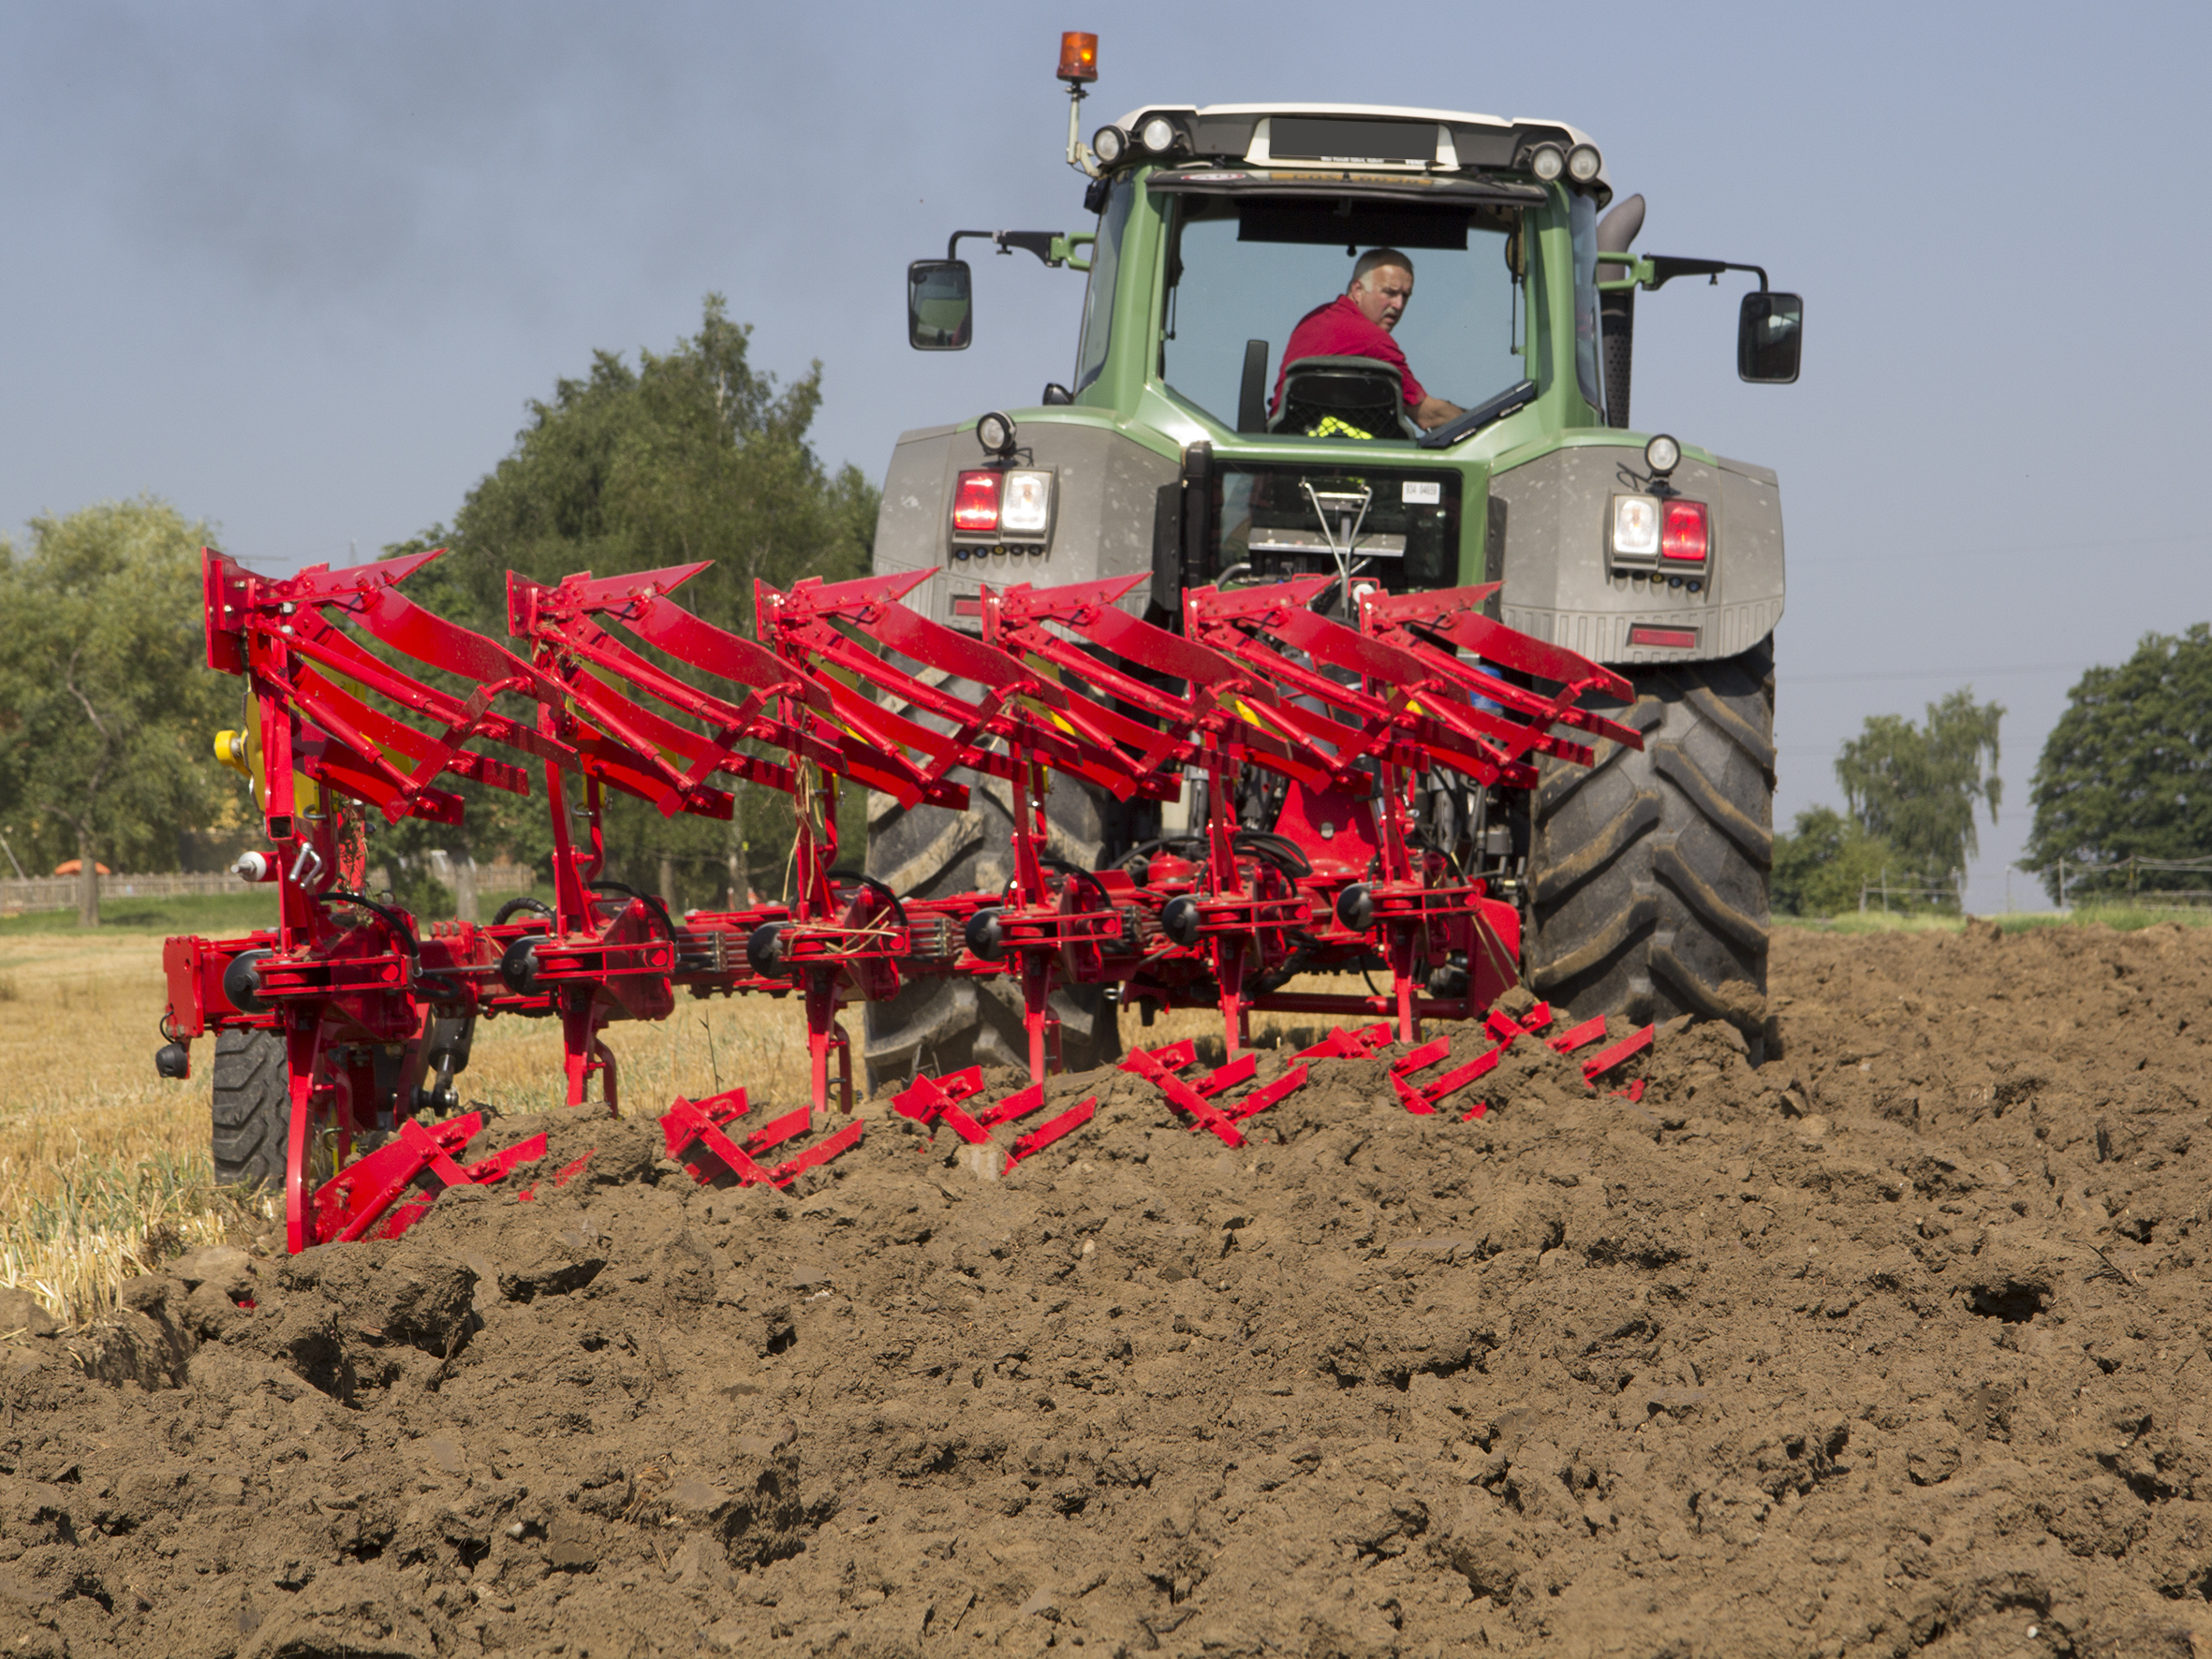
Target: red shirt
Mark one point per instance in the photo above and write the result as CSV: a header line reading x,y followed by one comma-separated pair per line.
x,y
1340,328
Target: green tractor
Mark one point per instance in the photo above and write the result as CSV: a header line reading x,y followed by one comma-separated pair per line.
x,y
1230,419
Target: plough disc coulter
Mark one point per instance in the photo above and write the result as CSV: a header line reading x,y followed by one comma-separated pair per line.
x,y
363,701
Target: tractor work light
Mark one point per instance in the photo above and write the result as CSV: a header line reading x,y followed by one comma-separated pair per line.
x,y
1683,536
1078,57
1109,144
1157,135
1547,162
1027,512
996,432
1663,455
975,505
1582,163
1635,529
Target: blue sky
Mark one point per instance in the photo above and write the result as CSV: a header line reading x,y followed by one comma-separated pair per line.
x,y
299,268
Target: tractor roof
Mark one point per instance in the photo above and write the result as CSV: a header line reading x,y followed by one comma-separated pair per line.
x,y
1246,133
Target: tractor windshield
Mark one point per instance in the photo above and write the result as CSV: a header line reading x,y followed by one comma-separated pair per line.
x,y
1242,271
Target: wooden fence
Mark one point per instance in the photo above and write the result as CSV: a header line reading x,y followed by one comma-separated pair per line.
x,y
19,896
2099,883
59,892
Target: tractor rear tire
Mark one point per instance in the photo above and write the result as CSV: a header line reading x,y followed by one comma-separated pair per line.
x,y
253,1108
1649,872
943,1022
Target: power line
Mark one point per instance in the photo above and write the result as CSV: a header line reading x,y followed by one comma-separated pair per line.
x,y
2013,552
1939,673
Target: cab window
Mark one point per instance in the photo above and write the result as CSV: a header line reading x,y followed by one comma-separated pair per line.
x,y
1245,268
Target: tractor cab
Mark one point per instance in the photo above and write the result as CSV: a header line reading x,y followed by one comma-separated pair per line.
x,y
1339,318
1237,417
1247,256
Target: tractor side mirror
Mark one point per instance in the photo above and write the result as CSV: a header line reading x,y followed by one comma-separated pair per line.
x,y
1770,337
940,304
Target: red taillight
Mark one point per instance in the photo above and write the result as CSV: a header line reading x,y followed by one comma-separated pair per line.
x,y
975,505
1667,639
1682,531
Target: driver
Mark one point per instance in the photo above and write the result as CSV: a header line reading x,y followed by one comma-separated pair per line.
x,y
1358,323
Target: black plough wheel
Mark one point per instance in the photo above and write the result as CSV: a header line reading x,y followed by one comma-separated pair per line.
x,y
1649,872
253,1108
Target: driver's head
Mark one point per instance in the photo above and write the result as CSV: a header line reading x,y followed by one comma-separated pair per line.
x,y
1381,284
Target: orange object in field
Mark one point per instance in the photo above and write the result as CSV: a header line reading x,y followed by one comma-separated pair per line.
x,y
1079,57
71,866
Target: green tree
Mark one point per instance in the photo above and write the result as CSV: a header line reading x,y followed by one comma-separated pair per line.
x,y
2127,773
105,703
1916,787
1825,863
693,454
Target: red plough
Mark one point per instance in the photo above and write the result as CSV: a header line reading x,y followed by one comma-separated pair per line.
x,y
1206,1102
1194,1098
930,1101
363,703
1505,1031
358,1202
697,1133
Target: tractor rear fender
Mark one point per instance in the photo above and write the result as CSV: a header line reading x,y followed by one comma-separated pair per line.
x,y
1107,491
1555,515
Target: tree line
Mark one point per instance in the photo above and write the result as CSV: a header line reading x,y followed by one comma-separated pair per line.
x,y
2121,792
107,708
692,454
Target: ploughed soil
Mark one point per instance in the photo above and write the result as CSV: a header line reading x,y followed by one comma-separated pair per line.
x,y
1894,1344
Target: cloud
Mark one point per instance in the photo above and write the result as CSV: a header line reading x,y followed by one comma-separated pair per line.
x,y
322,153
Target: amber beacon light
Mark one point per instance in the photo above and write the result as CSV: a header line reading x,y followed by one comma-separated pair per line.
x,y
1078,57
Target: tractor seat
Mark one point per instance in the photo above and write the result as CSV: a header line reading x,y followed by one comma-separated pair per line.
x,y
1347,397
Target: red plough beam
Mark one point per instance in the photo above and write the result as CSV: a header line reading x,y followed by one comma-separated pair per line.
x,y
362,705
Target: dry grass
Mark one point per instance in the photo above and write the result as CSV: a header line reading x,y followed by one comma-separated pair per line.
x,y
2121,917
104,1167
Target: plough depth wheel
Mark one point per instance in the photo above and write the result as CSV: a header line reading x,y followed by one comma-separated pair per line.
x,y
253,1108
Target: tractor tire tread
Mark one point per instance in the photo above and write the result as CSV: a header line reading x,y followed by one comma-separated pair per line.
x,y
1717,914
1602,848
1677,768
959,836
940,1023
1658,915
1633,919
1701,999
1561,784
1740,731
